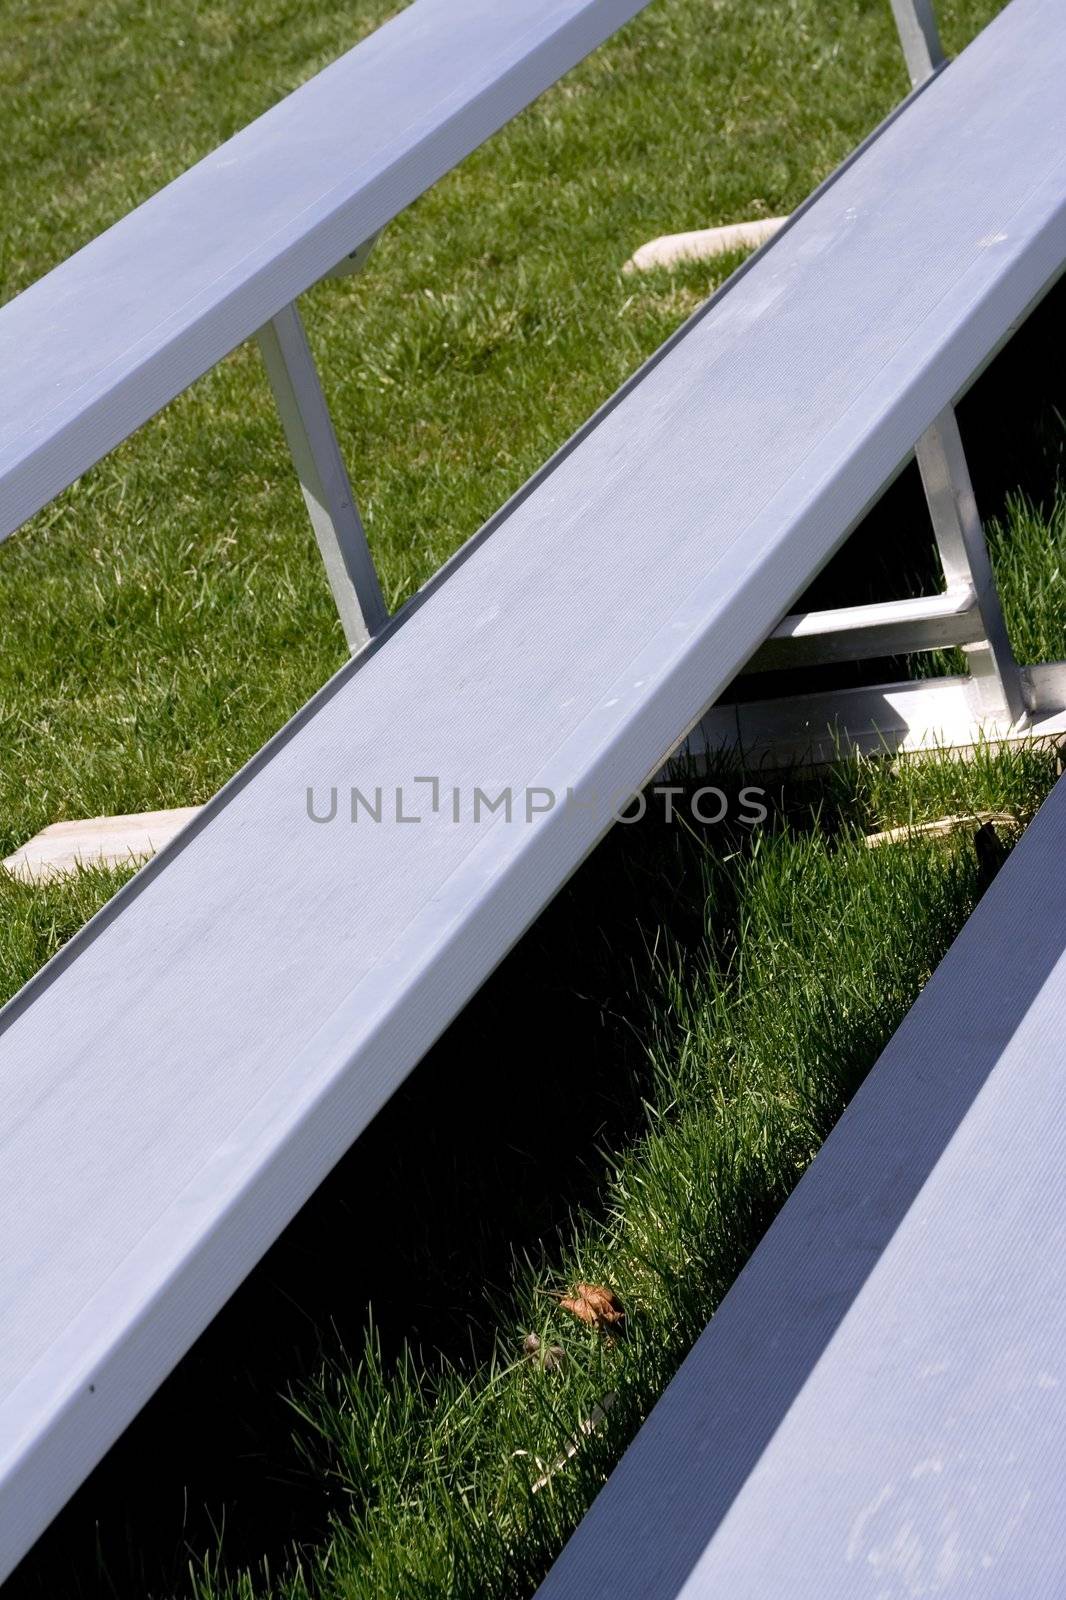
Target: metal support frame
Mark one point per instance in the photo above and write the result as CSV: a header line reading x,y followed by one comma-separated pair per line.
x,y
964,556
920,38
967,614
861,633
327,492
997,700
920,715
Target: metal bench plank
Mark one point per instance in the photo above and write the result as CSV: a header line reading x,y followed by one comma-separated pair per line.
x,y
175,1085
97,346
878,1408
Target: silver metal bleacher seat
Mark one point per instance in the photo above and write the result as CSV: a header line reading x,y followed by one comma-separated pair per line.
x,y
183,1074
877,1410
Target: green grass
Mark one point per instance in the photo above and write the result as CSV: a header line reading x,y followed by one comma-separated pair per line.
x,y
743,982
701,1008
169,612
1028,550
813,946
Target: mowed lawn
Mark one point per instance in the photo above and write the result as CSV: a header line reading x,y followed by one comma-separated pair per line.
x,y
645,1079
169,612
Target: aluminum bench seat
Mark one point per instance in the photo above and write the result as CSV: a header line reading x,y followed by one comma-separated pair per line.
x,y
180,1078
97,346
878,1408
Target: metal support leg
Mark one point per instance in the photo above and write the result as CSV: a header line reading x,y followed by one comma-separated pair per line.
x,y
919,37
326,489
964,555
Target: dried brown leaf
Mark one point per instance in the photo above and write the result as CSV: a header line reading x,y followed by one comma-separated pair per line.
x,y
594,1305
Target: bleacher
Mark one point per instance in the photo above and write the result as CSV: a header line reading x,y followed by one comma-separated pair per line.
x,y
180,1078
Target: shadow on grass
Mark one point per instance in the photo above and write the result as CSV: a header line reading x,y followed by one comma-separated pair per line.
x,y
481,1156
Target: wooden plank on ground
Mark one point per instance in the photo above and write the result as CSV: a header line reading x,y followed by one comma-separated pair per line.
x,y
120,841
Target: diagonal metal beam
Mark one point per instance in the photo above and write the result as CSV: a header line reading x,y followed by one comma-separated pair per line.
x,y
316,454
960,539
865,632
920,38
